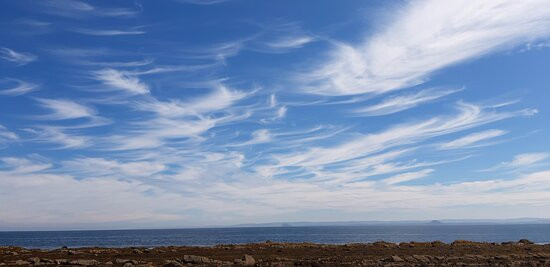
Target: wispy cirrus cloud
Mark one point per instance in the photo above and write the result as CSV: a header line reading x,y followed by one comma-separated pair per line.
x,y
425,36
59,137
221,97
472,139
408,176
179,121
24,165
63,109
257,137
399,103
520,161
6,135
97,32
82,9
201,2
291,42
121,80
20,88
102,167
18,58
469,116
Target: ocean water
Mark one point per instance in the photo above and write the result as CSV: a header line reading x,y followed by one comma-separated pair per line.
x,y
538,233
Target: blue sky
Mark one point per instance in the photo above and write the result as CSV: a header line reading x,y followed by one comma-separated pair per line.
x,y
125,114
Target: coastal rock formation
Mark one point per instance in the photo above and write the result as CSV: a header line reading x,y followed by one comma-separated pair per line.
x,y
458,253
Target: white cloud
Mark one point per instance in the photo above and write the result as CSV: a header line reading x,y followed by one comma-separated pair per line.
x,y
61,202
60,137
63,109
521,161
258,137
202,2
399,103
220,98
102,167
472,139
23,165
17,57
108,32
284,44
408,176
215,185
81,9
425,36
281,112
470,116
6,136
272,100
122,81
21,88
527,159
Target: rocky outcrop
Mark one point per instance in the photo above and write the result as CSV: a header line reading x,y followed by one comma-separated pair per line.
x,y
458,253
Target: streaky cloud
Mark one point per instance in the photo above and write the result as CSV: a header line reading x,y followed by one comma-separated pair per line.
x,y
63,109
108,32
201,2
18,58
520,161
122,81
6,135
59,137
407,176
21,88
425,36
399,103
472,139
469,116
82,9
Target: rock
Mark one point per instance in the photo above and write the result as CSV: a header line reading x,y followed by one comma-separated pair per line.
x,y
109,263
172,263
13,253
122,261
73,252
461,242
525,241
22,262
47,260
61,261
421,258
195,259
137,251
34,260
84,262
2,264
502,257
238,261
248,260
395,259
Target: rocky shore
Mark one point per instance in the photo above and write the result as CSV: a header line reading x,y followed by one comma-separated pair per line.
x,y
458,253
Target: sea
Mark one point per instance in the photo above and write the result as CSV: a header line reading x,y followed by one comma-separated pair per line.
x,y
538,233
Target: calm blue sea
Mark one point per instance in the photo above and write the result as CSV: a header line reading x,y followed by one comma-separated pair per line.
x,y
538,233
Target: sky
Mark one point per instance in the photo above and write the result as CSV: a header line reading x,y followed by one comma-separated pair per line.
x,y
186,113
